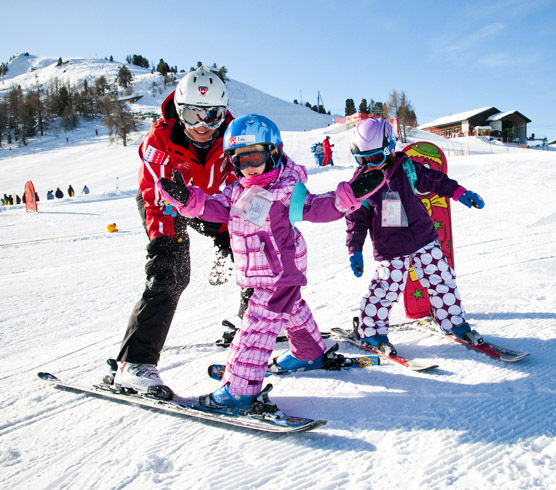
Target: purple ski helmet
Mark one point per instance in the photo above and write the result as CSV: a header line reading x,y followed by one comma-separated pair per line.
x,y
373,134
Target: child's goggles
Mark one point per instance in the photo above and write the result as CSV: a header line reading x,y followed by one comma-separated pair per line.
x,y
250,159
374,158
193,116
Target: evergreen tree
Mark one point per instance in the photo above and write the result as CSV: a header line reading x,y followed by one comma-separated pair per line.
x,y
350,107
138,60
124,78
363,107
163,68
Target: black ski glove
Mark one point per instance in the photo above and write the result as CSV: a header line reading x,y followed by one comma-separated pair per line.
x,y
366,183
177,190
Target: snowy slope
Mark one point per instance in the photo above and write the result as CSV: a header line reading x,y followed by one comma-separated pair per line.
x,y
68,288
31,71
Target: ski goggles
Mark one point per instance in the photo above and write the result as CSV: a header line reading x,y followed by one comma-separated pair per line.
x,y
374,158
194,116
250,159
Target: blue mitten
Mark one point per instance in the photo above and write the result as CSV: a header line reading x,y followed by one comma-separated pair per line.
x,y
356,262
469,199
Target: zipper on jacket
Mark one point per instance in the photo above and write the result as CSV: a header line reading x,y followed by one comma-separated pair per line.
x,y
267,255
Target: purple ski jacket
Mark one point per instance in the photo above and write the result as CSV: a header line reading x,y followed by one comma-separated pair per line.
x,y
275,253
390,242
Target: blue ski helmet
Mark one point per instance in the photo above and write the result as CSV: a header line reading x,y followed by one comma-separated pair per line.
x,y
252,129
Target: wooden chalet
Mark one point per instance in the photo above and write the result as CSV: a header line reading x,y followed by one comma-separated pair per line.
x,y
487,121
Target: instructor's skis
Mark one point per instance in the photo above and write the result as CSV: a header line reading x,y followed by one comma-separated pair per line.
x,y
231,330
277,422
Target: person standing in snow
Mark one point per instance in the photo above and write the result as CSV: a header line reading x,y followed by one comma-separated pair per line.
x,y
188,138
71,192
270,255
59,194
402,235
327,147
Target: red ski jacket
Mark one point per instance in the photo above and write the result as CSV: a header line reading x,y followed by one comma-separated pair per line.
x,y
166,149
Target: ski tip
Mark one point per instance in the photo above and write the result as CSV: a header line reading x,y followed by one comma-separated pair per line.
x,y
514,358
317,424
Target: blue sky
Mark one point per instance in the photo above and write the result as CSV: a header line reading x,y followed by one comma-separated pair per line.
x,y
448,57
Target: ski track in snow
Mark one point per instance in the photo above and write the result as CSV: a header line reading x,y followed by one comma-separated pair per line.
x,y
475,423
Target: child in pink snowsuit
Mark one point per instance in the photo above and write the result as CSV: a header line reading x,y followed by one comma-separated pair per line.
x,y
270,254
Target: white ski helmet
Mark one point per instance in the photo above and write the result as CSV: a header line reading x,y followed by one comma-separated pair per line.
x,y
201,99
202,88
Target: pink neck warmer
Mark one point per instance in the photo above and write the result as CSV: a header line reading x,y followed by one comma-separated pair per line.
x,y
261,180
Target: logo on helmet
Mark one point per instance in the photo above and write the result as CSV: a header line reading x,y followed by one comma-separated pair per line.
x,y
246,139
203,90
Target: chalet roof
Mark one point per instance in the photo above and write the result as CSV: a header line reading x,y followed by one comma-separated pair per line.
x,y
502,115
453,118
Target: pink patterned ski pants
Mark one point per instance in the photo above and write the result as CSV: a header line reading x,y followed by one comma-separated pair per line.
x,y
389,282
254,341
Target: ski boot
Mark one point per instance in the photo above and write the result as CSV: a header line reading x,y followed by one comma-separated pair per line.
x,y
223,399
327,360
381,343
463,331
286,362
139,378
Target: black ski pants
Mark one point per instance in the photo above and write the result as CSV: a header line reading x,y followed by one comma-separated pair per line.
x,y
152,316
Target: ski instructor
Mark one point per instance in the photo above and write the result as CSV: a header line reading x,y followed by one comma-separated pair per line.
x,y
187,138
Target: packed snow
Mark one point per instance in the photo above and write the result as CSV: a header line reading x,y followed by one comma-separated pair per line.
x,y
68,288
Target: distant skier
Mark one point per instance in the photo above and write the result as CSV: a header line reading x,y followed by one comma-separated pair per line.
x,y
49,195
59,194
327,148
85,190
403,235
71,192
270,254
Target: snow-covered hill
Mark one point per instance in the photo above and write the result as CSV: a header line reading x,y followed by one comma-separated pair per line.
x,y
30,70
68,288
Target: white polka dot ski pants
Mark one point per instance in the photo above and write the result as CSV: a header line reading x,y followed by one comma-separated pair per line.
x,y
389,282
